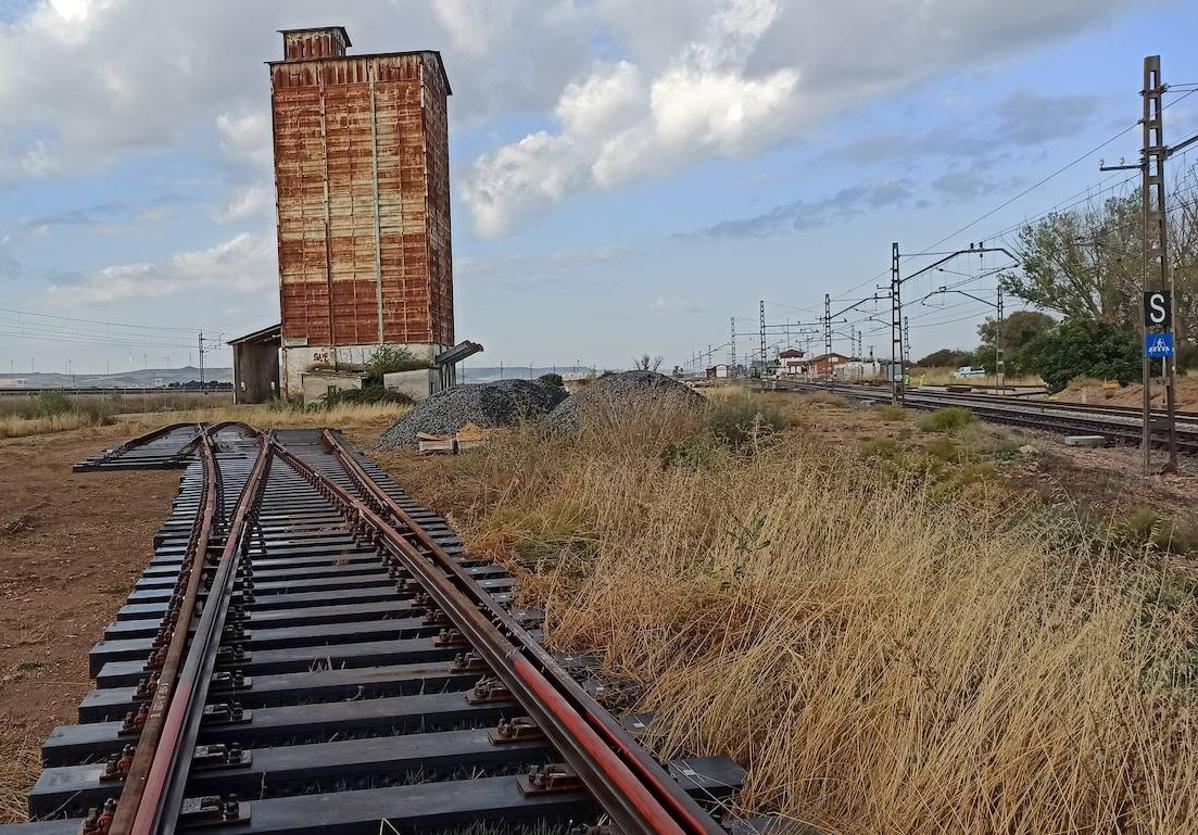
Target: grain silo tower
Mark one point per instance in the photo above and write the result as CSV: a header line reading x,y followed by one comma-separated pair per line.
x,y
361,162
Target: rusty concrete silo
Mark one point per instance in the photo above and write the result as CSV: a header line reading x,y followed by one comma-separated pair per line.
x,y
362,180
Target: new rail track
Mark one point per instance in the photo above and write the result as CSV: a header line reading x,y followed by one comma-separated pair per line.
x,y
1119,424
309,651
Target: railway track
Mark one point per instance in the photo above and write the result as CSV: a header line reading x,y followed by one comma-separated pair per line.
x,y
309,651
1119,424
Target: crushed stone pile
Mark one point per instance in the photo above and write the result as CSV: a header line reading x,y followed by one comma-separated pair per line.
x,y
488,405
624,396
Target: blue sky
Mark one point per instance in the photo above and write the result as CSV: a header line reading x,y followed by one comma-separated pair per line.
x,y
625,178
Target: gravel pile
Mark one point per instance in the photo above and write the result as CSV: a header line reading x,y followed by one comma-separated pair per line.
x,y
488,405
627,396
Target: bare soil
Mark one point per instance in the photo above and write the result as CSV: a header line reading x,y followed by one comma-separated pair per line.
x,y
1092,391
71,547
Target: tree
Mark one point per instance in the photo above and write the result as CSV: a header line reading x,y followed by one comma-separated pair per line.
x,y
647,363
1018,330
946,358
1088,262
1084,348
552,380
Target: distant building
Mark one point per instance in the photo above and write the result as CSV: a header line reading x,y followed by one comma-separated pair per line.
x,y
718,372
823,366
790,363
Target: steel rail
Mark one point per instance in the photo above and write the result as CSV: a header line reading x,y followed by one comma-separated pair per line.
x,y
624,797
152,435
1024,403
633,788
161,796
177,625
1061,419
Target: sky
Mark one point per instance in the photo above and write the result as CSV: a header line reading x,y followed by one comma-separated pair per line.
x,y
626,176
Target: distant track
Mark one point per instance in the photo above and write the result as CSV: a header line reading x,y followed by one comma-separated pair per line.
x,y
1119,424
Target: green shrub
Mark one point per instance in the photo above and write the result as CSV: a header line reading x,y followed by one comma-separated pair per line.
x,y
690,454
1084,348
1145,529
946,420
735,421
388,359
53,402
891,413
945,449
367,395
883,447
552,380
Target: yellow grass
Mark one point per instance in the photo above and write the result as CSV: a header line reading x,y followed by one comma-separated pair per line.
x,y
273,417
888,656
19,427
941,376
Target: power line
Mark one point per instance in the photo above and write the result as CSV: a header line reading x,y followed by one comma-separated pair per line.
x,y
99,321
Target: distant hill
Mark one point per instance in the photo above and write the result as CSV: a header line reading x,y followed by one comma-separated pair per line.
x,y
489,374
139,378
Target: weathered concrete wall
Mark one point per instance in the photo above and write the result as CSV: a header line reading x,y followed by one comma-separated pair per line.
x,y
301,360
255,373
418,384
317,384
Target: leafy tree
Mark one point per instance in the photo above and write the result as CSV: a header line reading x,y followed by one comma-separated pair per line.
x,y
1018,330
552,380
946,358
1088,262
1084,348
647,363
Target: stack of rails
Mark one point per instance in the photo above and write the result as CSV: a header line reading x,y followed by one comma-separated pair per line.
x,y
345,665
163,449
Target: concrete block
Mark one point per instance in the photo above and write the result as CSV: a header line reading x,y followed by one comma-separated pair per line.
x,y
1085,440
417,384
316,384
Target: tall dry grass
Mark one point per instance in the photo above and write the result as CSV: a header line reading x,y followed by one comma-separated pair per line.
x,y
886,656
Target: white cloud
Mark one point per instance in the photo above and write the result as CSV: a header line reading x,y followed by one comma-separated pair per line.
x,y
675,306
244,264
246,136
703,79
248,202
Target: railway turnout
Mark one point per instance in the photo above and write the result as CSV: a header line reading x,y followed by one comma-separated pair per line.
x,y
309,651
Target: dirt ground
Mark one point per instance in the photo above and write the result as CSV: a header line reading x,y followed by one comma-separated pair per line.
x,y
1092,391
71,546
1105,482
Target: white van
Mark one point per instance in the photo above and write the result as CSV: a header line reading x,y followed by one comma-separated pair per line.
x,y
970,371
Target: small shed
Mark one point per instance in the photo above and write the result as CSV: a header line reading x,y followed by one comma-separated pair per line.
x,y
256,365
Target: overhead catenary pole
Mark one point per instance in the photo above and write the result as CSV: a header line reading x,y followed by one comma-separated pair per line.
x,y
761,311
1000,371
732,349
828,331
1156,248
896,336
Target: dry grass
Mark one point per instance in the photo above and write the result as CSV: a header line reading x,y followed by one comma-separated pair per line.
x,y
888,655
940,376
265,416
18,770
19,427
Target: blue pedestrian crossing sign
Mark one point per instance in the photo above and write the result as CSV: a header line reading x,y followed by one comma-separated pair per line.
x,y
1158,345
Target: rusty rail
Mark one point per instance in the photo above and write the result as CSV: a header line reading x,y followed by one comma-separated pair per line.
x,y
638,794
175,639
163,754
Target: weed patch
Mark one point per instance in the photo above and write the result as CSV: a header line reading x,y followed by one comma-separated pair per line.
x,y
946,420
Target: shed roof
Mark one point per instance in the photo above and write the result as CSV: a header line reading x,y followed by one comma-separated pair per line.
x,y
266,336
